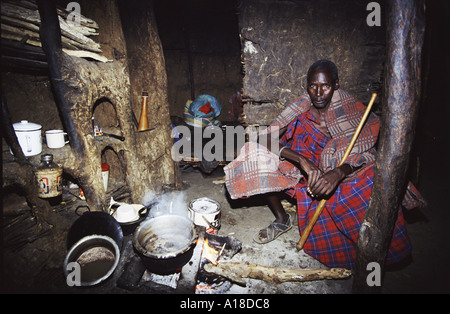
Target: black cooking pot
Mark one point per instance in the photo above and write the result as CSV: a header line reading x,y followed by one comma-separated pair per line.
x,y
94,242
95,223
165,243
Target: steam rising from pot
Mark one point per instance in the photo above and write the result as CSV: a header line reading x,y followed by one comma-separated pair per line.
x,y
170,203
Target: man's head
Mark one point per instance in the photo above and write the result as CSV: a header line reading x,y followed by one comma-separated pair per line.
x,y
322,81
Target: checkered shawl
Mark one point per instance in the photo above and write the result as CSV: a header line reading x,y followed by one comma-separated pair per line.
x,y
342,119
256,171
248,175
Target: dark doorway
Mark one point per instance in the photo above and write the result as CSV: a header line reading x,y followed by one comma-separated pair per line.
x,y
200,39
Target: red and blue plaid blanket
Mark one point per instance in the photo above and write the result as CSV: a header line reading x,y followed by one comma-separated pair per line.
x,y
332,241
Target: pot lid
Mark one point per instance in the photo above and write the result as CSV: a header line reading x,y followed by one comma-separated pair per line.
x,y
24,125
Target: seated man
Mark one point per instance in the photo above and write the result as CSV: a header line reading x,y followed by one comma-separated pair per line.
x,y
318,129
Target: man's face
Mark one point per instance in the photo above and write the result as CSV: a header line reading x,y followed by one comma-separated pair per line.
x,y
321,88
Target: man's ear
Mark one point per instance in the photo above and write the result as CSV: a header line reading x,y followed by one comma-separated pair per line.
x,y
336,85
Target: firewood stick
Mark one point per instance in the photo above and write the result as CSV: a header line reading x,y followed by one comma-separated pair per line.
x,y
34,36
218,255
240,272
322,203
26,21
86,54
29,11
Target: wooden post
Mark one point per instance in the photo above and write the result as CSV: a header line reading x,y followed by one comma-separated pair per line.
x,y
402,87
50,34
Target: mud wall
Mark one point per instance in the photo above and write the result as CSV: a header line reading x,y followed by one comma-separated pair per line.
x,y
281,39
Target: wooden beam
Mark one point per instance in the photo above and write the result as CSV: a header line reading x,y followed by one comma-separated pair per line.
x,y
402,89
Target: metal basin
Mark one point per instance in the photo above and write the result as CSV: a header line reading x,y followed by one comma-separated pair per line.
x,y
96,256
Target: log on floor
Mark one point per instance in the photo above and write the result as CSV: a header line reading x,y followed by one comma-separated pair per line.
x,y
240,272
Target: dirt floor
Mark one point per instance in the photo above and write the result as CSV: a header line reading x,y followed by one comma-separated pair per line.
x,y
35,265
241,219
33,255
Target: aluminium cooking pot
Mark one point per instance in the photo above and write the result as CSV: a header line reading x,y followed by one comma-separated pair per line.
x,y
97,256
165,243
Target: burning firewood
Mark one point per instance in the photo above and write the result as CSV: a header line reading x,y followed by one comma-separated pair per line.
x,y
240,272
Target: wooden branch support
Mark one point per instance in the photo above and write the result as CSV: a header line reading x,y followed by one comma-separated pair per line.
x,y
240,272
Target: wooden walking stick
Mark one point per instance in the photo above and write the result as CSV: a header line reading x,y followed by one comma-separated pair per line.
x,y
322,203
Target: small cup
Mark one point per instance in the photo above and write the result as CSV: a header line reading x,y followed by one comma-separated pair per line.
x,y
55,138
126,213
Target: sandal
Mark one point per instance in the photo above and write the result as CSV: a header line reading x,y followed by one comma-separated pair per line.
x,y
273,231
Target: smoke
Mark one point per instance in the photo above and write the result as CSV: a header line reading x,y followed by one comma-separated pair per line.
x,y
170,203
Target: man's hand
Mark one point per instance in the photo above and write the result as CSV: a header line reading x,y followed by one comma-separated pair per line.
x,y
320,186
325,184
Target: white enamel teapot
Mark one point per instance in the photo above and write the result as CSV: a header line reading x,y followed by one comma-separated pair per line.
x,y
29,136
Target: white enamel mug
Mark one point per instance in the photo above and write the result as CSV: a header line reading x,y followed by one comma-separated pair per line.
x,y
55,138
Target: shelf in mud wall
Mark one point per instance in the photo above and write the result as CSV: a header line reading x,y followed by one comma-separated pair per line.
x,y
61,156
